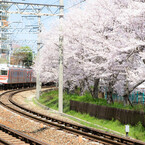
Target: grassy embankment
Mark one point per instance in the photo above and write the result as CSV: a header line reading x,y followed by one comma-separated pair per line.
x,y
50,100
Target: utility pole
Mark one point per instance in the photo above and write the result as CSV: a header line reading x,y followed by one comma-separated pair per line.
x,y
10,49
61,61
38,83
38,10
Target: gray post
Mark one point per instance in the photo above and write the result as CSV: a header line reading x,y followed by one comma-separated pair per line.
x,y
127,130
9,59
61,62
38,83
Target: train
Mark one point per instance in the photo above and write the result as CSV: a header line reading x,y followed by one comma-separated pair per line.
x,y
16,77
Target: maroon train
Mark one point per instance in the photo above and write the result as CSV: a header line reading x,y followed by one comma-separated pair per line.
x,y
12,77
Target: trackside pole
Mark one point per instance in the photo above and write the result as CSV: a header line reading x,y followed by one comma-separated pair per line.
x,y
61,62
38,83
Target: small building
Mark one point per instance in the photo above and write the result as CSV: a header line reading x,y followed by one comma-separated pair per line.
x,y
3,27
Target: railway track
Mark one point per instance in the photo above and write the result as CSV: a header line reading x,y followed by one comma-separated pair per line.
x,y
92,134
9,136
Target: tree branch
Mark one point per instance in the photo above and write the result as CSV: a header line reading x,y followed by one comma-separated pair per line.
x,y
136,85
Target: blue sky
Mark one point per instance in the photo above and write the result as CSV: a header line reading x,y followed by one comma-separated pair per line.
x,y
19,21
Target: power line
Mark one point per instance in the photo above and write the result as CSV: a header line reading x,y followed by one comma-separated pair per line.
x,y
65,9
74,5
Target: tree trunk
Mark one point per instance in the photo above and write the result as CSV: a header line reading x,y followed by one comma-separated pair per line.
x,y
67,89
109,94
82,88
126,100
109,97
96,88
90,90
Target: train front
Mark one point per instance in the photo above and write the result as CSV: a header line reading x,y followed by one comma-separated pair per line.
x,y
3,75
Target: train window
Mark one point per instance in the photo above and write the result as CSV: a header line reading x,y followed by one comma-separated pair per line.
x,y
3,72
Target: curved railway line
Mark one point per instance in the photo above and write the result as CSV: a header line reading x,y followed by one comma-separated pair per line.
x,y
6,100
9,136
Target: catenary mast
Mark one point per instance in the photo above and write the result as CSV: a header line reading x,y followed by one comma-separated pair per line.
x,y
51,10
61,62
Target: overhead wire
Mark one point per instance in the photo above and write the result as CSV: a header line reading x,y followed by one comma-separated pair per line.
x,y
64,9
74,5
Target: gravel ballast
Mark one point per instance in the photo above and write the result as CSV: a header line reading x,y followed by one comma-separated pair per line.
x,y
48,134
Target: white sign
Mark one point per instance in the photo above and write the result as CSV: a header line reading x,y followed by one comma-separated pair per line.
x,y
126,128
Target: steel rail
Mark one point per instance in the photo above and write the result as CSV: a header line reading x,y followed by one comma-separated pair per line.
x,y
4,142
90,133
20,136
84,130
51,123
16,134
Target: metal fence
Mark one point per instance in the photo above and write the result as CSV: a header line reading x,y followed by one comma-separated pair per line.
x,y
135,97
109,113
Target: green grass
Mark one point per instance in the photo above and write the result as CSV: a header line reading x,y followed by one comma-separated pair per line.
x,y
50,99
88,99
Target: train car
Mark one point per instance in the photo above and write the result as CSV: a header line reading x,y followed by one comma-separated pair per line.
x,y
12,77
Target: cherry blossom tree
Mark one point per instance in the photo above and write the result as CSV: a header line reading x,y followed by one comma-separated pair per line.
x,y
114,38
101,39
132,52
47,66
